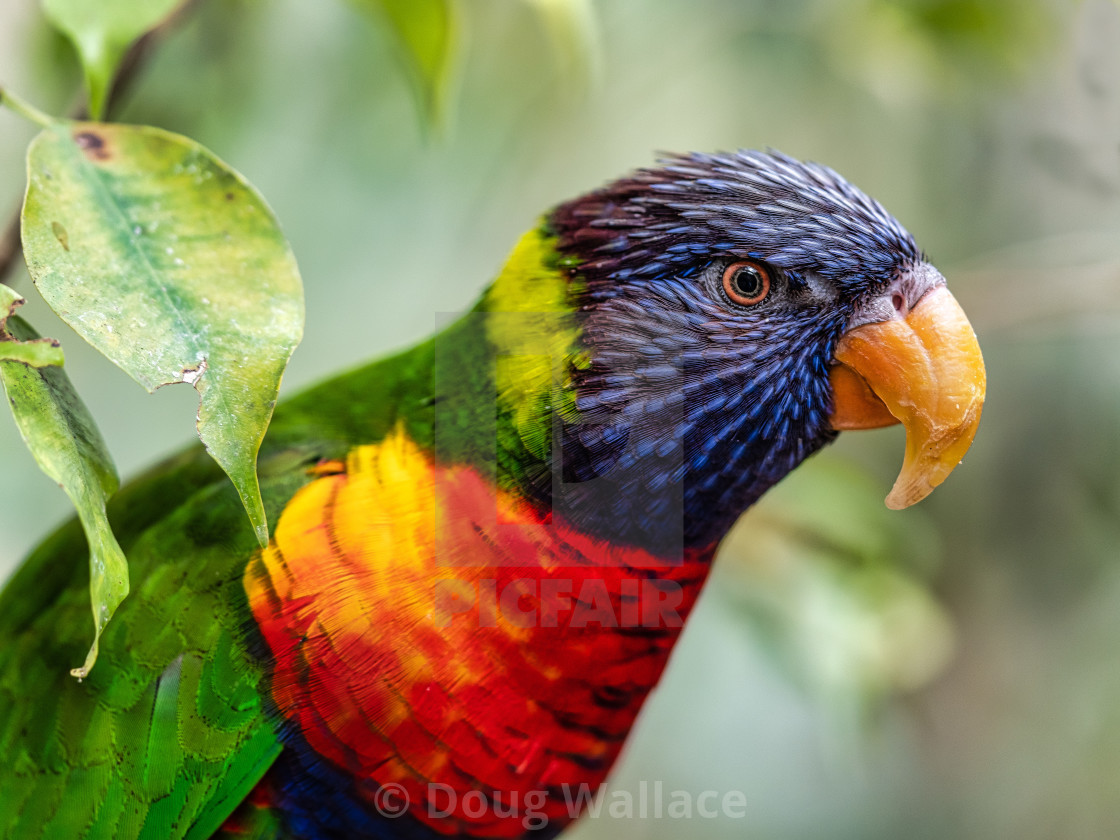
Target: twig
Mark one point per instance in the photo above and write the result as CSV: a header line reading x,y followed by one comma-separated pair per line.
x,y
9,246
24,109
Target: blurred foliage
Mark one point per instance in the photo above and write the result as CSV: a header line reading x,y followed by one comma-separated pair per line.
x,y
573,29
932,48
426,31
947,671
816,565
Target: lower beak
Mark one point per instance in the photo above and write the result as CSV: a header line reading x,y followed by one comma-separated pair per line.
x,y
925,371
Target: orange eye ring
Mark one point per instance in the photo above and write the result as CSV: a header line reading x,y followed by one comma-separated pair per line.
x,y
747,282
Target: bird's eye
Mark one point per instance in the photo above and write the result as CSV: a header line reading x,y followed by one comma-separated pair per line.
x,y
747,282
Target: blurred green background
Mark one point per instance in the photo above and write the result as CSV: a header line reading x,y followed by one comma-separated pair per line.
x,y
948,671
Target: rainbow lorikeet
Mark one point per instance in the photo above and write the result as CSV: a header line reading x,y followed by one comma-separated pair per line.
x,y
486,544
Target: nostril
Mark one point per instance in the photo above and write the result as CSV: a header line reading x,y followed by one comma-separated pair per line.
x,y
899,303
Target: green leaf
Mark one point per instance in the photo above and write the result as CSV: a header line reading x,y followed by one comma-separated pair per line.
x,y
65,442
169,263
102,31
10,300
426,32
38,352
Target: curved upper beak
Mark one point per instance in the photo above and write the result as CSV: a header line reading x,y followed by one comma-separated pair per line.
x,y
911,356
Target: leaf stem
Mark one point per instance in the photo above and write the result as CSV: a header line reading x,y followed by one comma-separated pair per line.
x,y
25,109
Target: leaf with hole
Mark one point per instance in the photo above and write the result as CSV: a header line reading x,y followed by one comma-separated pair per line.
x,y
172,265
37,352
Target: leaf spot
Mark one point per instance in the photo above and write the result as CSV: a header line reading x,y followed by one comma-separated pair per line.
x,y
61,235
93,144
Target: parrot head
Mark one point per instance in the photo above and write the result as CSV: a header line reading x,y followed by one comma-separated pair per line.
x,y
732,313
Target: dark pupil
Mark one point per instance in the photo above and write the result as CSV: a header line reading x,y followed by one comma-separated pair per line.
x,y
747,282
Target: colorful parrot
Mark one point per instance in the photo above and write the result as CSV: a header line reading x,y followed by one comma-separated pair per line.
x,y
486,545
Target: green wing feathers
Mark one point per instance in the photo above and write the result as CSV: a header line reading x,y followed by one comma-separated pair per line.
x,y
169,724
169,733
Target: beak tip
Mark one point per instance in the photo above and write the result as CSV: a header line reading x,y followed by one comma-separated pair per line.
x,y
920,476
903,497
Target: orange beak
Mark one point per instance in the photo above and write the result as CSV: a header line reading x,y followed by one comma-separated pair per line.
x,y
925,371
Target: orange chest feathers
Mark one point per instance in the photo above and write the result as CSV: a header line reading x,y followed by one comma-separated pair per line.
x,y
432,632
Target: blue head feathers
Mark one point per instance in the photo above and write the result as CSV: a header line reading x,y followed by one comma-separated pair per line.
x,y
695,403
801,216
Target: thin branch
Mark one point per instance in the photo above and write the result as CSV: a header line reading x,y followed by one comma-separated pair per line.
x,y
9,246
